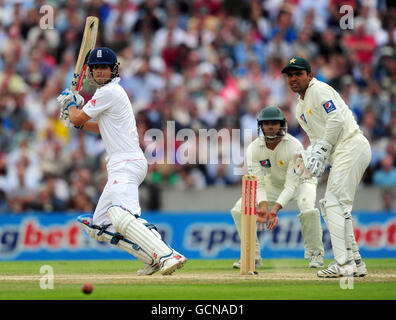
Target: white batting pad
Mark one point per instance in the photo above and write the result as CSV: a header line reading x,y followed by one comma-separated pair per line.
x,y
337,228
118,240
130,227
311,229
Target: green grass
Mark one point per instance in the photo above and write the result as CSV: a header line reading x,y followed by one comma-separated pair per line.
x,y
198,280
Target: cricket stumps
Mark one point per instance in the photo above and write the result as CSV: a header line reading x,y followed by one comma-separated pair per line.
x,y
248,224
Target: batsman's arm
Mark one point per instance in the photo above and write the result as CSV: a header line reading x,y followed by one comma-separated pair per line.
x,y
91,126
77,116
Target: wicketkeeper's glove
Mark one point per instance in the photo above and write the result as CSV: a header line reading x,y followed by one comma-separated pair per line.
x,y
299,160
316,161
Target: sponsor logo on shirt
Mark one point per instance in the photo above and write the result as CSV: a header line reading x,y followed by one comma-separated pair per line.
x,y
281,163
329,106
266,163
302,117
93,102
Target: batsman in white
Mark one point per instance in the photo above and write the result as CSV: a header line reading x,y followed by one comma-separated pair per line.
x,y
270,157
116,219
335,137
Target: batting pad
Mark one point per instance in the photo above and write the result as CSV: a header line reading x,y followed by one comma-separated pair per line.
x,y
311,229
101,234
131,228
336,224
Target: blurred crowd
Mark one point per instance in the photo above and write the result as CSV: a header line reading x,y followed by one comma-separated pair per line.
x,y
204,64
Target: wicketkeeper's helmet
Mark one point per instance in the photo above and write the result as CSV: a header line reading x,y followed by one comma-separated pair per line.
x,y
275,114
104,56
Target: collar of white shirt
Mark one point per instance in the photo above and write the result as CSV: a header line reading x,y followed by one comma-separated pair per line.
x,y
311,83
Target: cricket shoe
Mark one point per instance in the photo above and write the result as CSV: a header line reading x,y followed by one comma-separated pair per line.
x,y
361,269
148,269
334,270
182,259
258,264
315,261
170,265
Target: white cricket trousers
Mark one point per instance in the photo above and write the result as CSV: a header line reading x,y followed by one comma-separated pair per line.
x,y
349,161
124,178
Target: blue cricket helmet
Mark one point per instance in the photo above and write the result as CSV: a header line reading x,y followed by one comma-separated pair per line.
x,y
102,55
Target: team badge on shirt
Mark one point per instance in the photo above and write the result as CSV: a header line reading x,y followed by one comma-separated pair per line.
x,y
329,106
93,102
266,163
302,117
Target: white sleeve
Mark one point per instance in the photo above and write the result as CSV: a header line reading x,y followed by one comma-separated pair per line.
x,y
100,102
290,186
255,168
327,102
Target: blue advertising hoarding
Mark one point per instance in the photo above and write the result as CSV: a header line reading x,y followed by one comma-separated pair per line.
x,y
196,235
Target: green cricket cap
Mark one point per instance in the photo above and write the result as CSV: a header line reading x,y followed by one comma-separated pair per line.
x,y
297,63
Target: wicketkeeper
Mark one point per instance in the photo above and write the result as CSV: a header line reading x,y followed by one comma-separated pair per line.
x,y
335,138
116,219
271,157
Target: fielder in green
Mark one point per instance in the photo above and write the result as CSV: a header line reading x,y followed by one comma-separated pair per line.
x,y
271,158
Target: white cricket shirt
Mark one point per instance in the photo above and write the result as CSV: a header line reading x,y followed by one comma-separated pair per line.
x,y
112,109
323,114
274,168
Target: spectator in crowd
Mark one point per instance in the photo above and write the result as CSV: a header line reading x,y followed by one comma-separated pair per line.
x,y
386,176
387,198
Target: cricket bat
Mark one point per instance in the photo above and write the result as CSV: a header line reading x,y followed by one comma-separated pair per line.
x,y
87,45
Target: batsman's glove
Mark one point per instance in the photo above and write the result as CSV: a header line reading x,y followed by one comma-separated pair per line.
x,y
316,160
67,99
